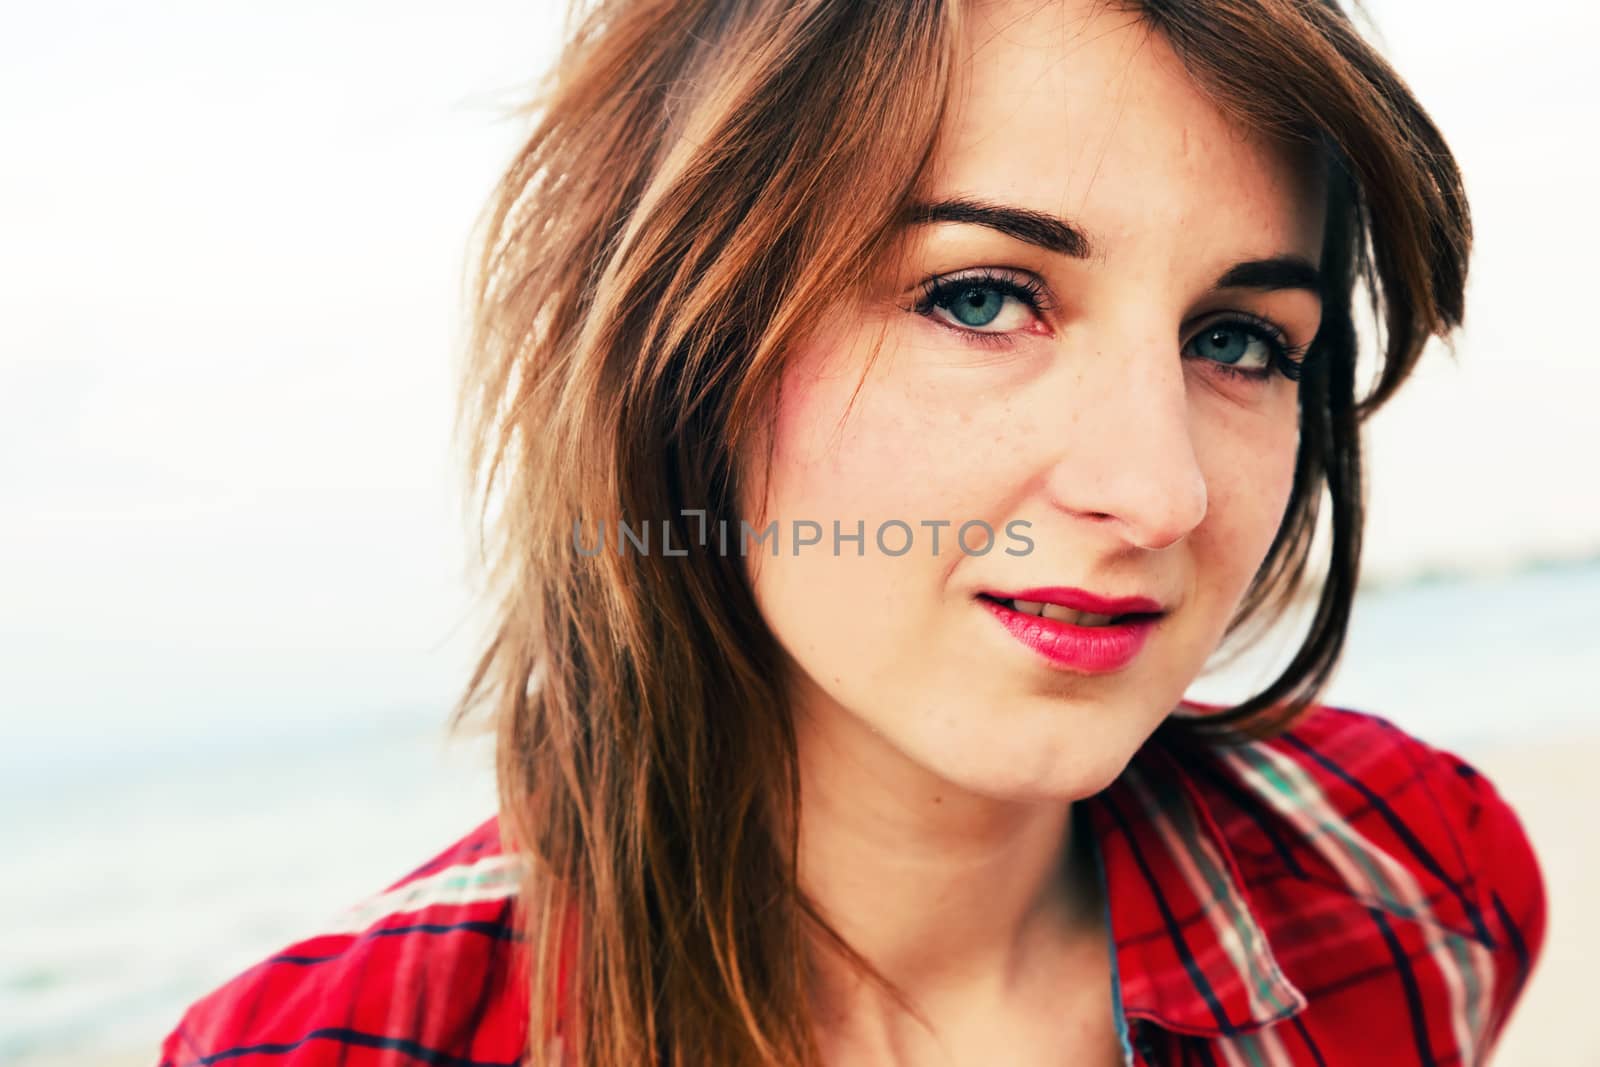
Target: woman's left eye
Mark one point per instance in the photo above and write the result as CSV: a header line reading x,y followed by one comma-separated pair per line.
x,y
1247,347
985,306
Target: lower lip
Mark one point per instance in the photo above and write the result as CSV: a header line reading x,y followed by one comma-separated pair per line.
x,y
1092,649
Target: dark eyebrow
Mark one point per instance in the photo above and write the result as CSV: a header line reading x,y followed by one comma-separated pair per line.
x,y
1035,227
1056,234
1279,272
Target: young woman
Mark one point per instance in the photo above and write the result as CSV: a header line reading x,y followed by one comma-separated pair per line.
x,y
887,410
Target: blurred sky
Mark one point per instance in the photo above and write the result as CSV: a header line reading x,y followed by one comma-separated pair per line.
x,y
231,240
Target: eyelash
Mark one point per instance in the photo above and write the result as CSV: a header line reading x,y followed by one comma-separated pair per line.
x,y
941,288
1286,358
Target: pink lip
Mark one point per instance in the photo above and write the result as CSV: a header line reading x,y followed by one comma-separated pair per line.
x,y
1081,600
1091,649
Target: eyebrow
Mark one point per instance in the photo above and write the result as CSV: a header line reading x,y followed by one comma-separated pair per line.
x,y
1277,272
1055,234
1034,227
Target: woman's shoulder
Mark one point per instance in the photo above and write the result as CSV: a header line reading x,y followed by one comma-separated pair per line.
x,y
1367,851
424,971
1408,806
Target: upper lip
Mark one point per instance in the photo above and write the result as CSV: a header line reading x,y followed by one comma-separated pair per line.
x,y
1082,600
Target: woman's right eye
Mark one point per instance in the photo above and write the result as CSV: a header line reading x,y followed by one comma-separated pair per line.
x,y
986,306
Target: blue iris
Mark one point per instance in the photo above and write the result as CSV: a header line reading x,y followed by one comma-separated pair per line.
x,y
1218,339
976,305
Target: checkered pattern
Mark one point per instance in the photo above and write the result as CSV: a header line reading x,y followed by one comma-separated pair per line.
x,y
1341,894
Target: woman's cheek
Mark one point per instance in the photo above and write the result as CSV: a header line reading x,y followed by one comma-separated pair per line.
x,y
1248,487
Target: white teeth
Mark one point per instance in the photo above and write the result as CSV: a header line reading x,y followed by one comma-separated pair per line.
x,y
1057,612
1076,618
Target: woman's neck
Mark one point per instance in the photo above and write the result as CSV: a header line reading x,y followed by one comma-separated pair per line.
x,y
956,898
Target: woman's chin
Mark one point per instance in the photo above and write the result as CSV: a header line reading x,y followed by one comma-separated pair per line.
x,y
1031,773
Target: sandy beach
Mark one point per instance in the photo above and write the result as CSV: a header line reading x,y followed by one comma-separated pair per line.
x,y
1555,788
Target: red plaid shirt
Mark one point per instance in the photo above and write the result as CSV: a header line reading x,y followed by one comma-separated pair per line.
x,y
1341,894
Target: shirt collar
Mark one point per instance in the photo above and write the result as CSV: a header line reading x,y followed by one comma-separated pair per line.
x,y
1344,791
1190,954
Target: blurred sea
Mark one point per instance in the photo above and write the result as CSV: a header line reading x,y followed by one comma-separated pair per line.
x,y
133,888
129,893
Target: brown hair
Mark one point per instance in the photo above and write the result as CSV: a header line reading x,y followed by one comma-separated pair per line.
x,y
702,179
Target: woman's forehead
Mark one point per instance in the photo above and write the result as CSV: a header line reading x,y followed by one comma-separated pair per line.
x,y
1082,110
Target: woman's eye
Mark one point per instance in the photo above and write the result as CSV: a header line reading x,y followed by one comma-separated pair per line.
x,y
1232,343
976,306
1246,347
987,305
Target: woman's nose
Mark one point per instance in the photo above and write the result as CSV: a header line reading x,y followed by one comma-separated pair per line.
x,y
1126,458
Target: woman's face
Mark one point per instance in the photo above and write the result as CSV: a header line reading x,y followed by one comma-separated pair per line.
x,y
1115,390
